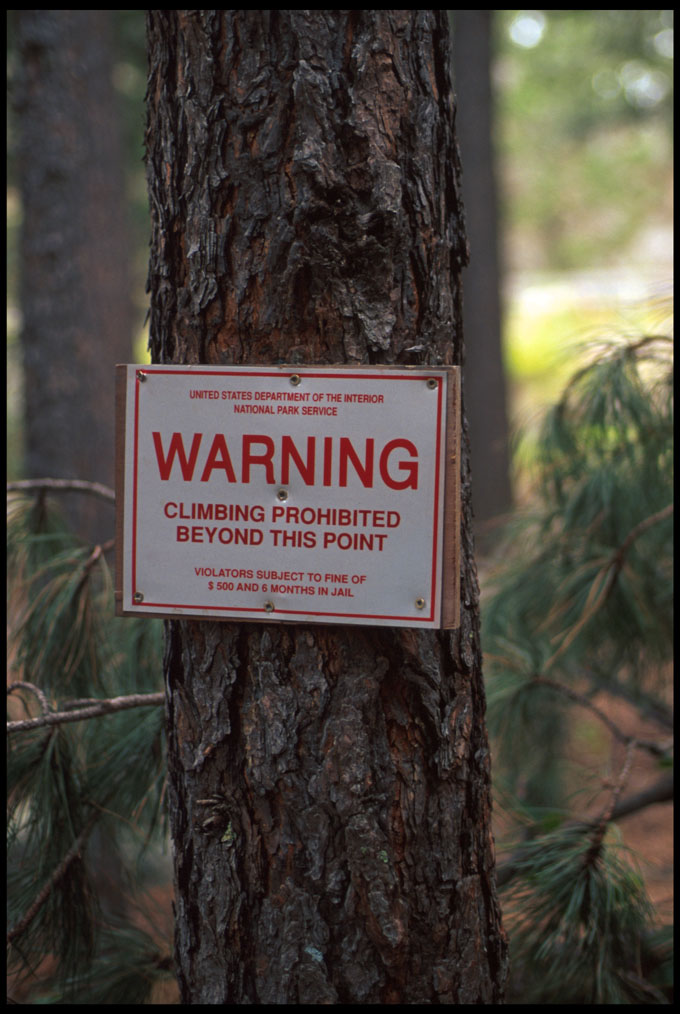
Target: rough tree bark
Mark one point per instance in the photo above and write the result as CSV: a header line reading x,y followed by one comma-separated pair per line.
x,y
328,789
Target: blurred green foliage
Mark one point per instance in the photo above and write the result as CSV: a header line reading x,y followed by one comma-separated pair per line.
x,y
580,610
584,133
584,146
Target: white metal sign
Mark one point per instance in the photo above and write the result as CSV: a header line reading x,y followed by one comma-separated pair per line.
x,y
310,494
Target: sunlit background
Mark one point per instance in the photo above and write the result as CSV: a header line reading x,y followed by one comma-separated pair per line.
x,y
585,155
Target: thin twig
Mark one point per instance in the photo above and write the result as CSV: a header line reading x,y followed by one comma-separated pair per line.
x,y
609,574
650,745
642,526
660,792
80,702
22,685
606,816
97,552
63,486
104,707
648,706
615,350
61,869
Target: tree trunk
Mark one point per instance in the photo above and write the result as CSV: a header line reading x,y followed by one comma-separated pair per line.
x,y
485,375
328,789
75,296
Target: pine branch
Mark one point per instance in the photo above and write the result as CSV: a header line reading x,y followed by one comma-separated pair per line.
x,y
645,703
650,745
96,553
660,792
97,489
22,685
653,519
73,853
609,575
104,707
606,816
630,347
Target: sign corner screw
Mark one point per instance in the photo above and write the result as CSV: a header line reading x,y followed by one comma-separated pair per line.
x,y
420,603
138,597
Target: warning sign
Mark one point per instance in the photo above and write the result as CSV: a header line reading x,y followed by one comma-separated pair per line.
x,y
308,495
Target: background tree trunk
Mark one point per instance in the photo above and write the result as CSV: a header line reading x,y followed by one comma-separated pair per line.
x,y
328,786
484,374
75,300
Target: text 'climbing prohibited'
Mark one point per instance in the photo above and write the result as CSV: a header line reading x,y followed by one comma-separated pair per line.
x,y
302,494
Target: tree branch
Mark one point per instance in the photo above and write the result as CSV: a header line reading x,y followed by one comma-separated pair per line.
x,y
660,792
647,705
609,574
650,745
641,527
44,894
22,685
601,827
105,707
96,553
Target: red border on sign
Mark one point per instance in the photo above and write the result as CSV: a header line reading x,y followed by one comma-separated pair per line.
x,y
243,611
